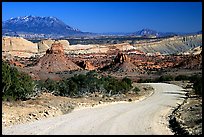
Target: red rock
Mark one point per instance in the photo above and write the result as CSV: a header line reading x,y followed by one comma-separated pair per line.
x,y
86,65
55,60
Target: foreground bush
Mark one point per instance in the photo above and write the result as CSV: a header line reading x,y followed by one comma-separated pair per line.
x,y
197,84
181,77
15,85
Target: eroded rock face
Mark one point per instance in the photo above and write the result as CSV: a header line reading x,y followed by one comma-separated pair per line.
x,y
86,65
121,58
16,46
121,63
56,48
44,45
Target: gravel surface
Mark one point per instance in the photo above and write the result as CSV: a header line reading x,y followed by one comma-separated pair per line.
x,y
148,116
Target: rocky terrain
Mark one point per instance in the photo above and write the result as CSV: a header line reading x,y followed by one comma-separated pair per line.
x,y
60,61
57,59
186,119
14,46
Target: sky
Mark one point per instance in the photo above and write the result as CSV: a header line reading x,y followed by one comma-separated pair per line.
x,y
101,17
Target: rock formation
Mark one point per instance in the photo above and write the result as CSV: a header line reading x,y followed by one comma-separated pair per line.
x,y
44,45
121,63
86,65
121,58
191,62
16,46
55,60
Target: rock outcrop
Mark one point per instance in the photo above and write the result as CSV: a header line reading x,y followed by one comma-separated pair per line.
x,y
86,65
44,45
191,62
55,60
121,58
121,63
17,46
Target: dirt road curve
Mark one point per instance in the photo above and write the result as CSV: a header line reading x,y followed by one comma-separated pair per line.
x,y
148,116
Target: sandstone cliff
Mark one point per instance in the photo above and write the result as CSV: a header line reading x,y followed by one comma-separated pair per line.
x,y
44,45
17,46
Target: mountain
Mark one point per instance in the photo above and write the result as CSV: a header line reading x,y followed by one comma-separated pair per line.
x,y
146,32
38,26
152,33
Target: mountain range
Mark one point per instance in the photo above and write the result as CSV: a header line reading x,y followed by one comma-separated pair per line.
x,y
38,26
52,27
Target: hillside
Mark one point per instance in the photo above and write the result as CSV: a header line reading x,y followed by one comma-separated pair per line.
x,y
172,45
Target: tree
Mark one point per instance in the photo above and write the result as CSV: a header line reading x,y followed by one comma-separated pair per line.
x,y
16,85
6,77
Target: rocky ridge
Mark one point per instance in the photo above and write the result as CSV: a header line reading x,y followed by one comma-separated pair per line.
x,y
16,46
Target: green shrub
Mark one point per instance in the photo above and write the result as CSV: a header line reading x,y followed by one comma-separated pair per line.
x,y
15,85
136,90
181,77
145,80
127,80
197,86
78,85
165,78
51,85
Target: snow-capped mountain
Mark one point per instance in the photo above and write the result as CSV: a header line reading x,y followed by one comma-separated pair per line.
x,y
28,25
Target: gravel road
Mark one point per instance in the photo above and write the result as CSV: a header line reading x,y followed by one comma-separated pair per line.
x,y
146,117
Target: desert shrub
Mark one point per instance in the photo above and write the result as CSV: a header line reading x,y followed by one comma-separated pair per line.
x,y
72,88
114,86
6,77
181,77
197,84
194,78
145,80
51,85
81,84
165,78
15,85
127,80
136,90
111,85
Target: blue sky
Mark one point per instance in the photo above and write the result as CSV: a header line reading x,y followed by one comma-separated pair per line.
x,y
114,16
